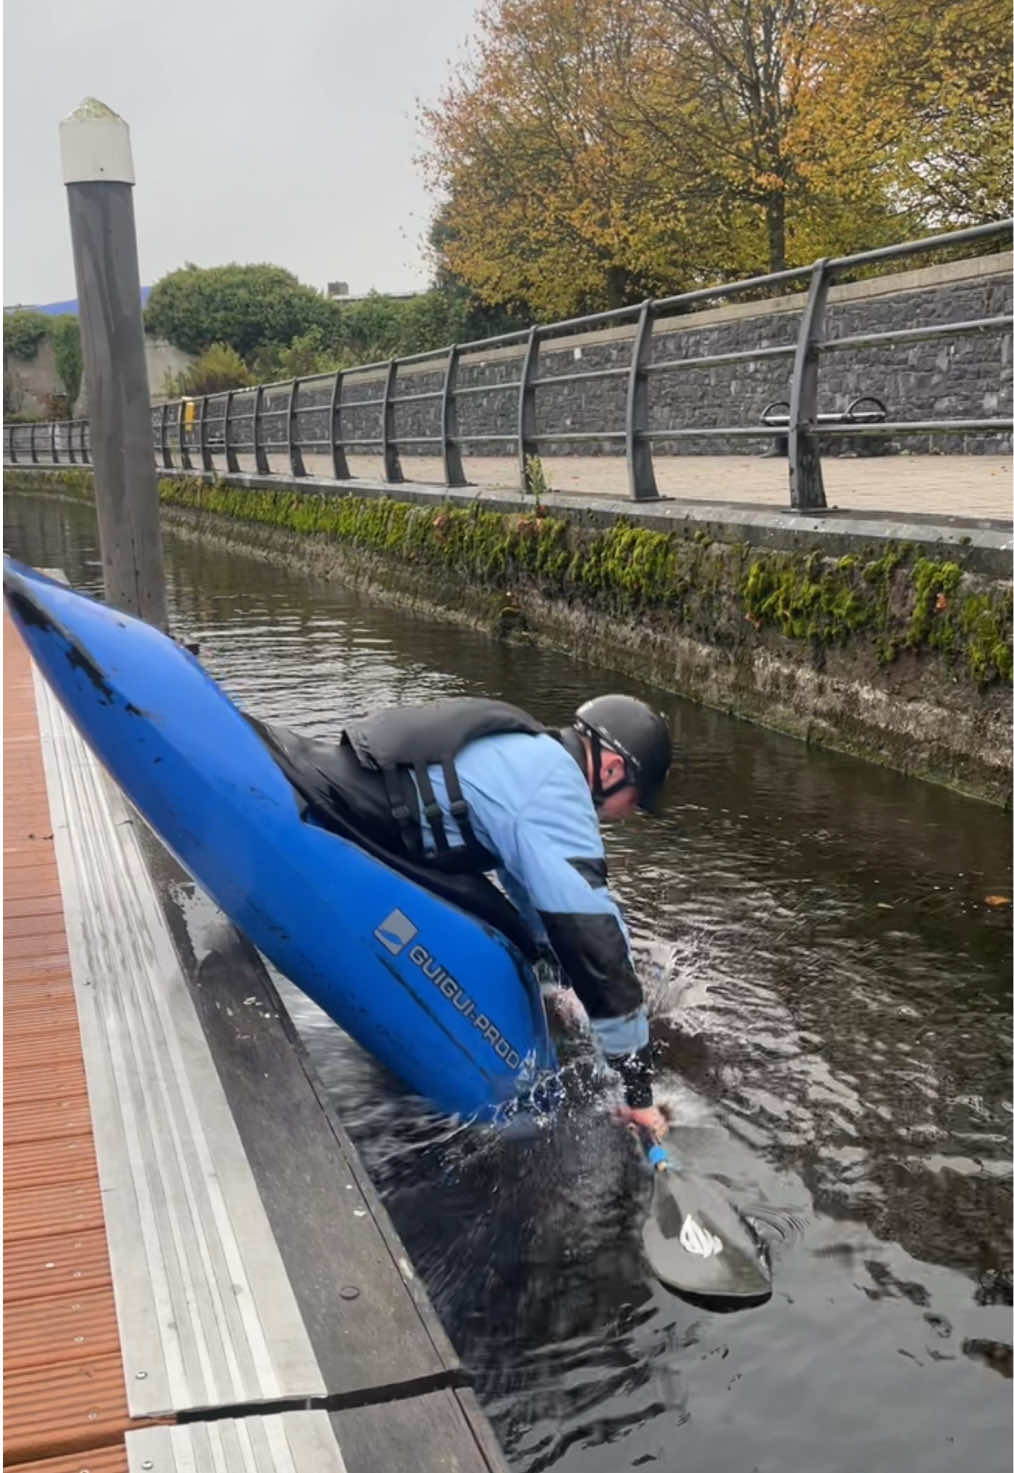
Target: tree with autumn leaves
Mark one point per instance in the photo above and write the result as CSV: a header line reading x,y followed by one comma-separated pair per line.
x,y
594,152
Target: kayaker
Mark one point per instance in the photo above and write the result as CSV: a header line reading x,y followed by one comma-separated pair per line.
x,y
471,786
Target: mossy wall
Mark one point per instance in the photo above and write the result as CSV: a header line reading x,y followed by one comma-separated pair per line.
x,y
890,654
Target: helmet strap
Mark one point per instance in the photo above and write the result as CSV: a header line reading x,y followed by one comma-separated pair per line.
x,y
598,792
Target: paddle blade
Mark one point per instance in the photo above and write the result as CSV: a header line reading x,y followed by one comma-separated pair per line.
x,y
698,1244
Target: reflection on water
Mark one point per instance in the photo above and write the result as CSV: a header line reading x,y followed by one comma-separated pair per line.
x,y
832,996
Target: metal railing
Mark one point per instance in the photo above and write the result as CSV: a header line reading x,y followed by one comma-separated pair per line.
x,y
313,415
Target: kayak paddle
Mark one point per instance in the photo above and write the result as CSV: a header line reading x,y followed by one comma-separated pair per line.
x,y
696,1242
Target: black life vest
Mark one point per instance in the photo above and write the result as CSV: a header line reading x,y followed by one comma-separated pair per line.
x,y
406,740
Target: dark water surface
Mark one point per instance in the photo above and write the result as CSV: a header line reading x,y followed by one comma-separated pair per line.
x,y
833,994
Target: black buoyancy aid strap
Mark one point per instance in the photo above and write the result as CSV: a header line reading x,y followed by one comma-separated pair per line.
x,y
430,807
400,811
459,808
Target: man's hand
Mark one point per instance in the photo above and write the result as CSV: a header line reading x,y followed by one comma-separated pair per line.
x,y
651,1120
565,1006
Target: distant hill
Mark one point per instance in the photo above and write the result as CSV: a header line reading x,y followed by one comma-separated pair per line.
x,y
58,309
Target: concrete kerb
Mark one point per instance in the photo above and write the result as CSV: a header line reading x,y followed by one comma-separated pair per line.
x,y
979,545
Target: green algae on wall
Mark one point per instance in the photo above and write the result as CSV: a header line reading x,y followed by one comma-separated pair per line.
x,y
899,601
731,595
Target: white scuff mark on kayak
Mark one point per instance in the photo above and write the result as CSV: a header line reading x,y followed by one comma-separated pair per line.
x,y
359,1212
406,1268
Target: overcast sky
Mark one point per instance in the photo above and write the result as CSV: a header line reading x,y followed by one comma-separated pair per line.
x,y
262,130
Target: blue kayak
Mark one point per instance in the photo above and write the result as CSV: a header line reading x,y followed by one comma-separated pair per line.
x,y
439,994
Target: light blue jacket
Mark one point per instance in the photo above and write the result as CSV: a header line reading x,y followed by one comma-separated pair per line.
x,y
531,806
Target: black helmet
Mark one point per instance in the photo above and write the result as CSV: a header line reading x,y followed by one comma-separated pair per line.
x,y
639,734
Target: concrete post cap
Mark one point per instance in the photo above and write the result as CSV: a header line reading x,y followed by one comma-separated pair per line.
x,y
95,145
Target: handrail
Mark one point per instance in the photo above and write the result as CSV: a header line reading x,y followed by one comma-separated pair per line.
x,y
315,408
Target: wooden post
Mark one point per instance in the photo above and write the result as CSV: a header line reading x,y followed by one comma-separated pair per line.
x,y
99,174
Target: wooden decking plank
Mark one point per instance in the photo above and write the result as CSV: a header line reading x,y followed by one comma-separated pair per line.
x,y
38,1082
33,905
62,1408
64,1397
22,993
44,1014
37,923
39,1268
42,1120
60,1161
39,1212
112,1459
67,1327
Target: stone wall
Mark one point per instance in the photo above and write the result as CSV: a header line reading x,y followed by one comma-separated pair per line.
x,y
894,650
966,376
30,382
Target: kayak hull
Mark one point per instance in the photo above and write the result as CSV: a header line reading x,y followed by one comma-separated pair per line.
x,y
439,997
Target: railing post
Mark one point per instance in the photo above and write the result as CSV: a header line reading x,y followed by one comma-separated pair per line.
x,y
231,463
260,454
640,466
86,450
339,463
12,447
296,465
454,471
392,463
167,460
182,426
527,443
207,464
54,457
31,443
806,481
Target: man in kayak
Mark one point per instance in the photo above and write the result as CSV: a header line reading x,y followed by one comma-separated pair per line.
x,y
454,790
464,787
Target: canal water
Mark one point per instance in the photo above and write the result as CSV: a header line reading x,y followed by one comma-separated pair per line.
x,y
831,988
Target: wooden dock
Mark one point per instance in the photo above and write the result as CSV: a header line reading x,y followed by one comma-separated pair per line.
x,y
198,1273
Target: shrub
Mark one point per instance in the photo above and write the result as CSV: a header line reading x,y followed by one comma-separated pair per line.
x,y
218,368
23,332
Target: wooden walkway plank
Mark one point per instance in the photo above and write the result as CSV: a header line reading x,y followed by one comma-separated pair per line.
x,y
98,1460
61,1408
64,1392
38,1212
43,1080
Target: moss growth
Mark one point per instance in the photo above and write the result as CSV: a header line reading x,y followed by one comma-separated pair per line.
x,y
985,621
808,597
732,595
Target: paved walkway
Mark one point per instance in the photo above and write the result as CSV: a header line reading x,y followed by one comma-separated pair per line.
x,y
936,485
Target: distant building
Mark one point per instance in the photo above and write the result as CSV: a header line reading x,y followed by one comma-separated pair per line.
x,y
338,291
